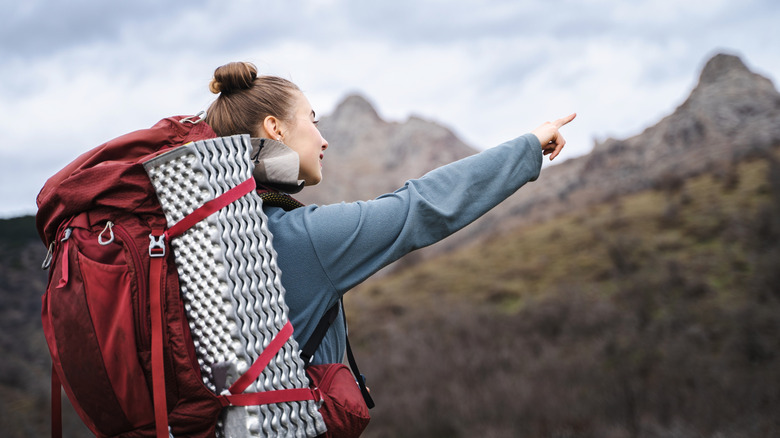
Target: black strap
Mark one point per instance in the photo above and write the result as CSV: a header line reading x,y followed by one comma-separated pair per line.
x,y
307,352
361,379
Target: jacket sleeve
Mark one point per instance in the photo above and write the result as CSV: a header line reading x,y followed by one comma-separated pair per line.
x,y
354,240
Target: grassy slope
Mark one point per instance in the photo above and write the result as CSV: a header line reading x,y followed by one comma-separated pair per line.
x,y
692,223
651,315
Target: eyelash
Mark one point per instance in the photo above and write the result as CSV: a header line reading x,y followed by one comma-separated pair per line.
x,y
316,122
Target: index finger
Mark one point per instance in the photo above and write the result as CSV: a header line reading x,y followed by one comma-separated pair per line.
x,y
564,120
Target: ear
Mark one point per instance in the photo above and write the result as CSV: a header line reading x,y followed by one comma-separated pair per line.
x,y
272,127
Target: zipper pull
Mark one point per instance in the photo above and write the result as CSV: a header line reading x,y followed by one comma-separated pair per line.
x,y
110,228
64,276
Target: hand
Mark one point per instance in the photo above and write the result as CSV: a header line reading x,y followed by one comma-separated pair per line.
x,y
552,141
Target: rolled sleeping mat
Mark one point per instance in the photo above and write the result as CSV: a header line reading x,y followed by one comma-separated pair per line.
x,y
230,285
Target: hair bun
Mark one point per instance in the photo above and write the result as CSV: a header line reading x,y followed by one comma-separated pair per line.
x,y
233,77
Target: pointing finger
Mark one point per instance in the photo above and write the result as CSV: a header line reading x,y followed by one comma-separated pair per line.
x,y
564,120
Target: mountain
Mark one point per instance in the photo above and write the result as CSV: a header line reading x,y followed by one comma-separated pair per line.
x,y
635,296
369,156
731,113
652,314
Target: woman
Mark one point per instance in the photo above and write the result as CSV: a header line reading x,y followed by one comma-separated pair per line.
x,y
324,251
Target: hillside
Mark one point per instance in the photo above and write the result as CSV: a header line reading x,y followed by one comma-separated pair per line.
x,y
656,314
25,380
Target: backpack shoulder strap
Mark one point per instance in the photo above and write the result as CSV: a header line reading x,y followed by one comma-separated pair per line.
x,y
278,199
307,352
361,379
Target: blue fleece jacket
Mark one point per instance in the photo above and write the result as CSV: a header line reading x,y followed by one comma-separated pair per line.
x,y
324,251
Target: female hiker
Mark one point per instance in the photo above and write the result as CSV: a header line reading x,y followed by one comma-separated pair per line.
x,y
324,251
115,315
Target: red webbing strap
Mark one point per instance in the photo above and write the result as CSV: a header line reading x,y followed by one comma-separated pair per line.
x,y
238,398
64,276
268,397
263,360
56,404
157,250
158,363
211,207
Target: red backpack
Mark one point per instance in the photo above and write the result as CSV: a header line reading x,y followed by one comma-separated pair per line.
x,y
93,336
112,314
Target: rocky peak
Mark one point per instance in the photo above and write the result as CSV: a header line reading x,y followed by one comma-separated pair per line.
x,y
731,113
722,67
355,106
725,81
728,107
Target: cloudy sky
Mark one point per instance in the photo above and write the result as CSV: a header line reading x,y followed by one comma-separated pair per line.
x,y
75,74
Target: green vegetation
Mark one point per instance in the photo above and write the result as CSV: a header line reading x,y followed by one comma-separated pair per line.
x,y
656,314
698,223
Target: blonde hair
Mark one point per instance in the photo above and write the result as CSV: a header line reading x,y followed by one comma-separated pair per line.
x,y
245,99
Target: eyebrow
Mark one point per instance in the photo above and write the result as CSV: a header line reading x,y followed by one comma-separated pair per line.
x,y
313,114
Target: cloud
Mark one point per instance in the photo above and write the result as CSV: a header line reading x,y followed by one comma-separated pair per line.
x,y
79,73
40,27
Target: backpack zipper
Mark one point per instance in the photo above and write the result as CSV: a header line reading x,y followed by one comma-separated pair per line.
x,y
142,332
327,378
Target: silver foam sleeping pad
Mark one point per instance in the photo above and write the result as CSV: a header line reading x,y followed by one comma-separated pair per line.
x,y
230,285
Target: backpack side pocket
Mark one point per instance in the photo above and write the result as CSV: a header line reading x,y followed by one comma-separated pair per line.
x,y
88,314
343,409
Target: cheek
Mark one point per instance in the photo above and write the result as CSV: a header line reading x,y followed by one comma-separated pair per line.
x,y
315,133
315,139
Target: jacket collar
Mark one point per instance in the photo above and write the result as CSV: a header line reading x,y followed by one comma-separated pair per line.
x,y
276,165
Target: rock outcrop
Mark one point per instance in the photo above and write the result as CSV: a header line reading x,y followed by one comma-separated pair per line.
x,y
732,112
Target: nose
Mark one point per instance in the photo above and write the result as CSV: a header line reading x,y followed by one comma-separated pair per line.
x,y
324,143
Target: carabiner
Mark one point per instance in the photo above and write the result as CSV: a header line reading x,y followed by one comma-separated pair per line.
x,y
47,261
